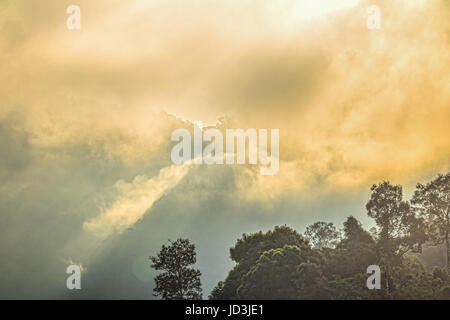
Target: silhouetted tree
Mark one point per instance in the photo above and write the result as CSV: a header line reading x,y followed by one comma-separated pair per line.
x,y
352,256
247,253
322,234
355,233
177,281
413,281
280,264
432,201
274,275
398,229
311,283
217,292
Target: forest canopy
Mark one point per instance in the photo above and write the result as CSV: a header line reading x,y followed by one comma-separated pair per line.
x,y
325,263
329,263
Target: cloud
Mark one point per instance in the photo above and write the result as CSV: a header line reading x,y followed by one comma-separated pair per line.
x,y
134,200
83,111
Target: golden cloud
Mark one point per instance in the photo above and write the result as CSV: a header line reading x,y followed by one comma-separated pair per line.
x,y
353,105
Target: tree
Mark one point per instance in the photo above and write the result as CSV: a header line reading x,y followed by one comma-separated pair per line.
x,y
322,234
357,242
247,253
311,283
273,276
178,281
249,248
414,281
355,233
432,201
217,292
280,264
398,230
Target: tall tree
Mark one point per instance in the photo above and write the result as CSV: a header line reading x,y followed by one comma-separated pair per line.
x,y
177,281
432,201
247,253
398,229
356,242
274,275
322,234
280,264
355,233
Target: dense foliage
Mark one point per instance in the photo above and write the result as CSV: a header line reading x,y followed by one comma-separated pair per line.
x,y
327,263
323,264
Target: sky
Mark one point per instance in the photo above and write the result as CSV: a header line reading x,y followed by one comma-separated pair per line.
x,y
86,118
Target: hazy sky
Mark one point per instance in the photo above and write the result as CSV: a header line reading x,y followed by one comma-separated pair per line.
x,y
86,117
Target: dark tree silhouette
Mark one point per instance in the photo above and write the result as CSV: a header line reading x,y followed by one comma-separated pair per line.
x,y
253,254
177,281
322,234
432,201
398,230
280,264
